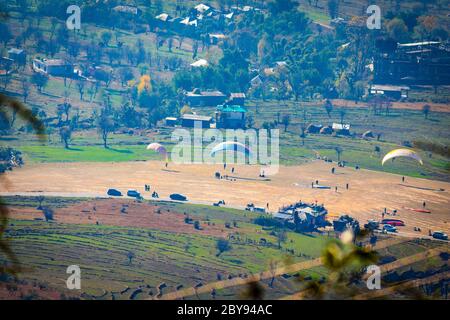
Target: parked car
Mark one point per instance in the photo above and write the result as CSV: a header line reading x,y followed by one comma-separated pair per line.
x,y
114,193
389,228
440,235
134,194
178,197
372,225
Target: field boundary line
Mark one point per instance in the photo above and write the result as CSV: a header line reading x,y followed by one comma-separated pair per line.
x,y
384,268
261,276
401,286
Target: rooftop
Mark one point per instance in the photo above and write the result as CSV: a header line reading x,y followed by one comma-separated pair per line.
x,y
237,95
388,87
227,108
54,62
15,51
198,93
195,117
200,63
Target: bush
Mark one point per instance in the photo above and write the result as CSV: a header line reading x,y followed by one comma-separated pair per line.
x,y
268,222
223,245
48,214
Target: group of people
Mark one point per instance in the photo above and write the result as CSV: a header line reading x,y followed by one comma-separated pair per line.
x,y
154,193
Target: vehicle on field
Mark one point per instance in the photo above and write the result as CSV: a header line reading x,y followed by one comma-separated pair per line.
x,y
440,235
134,194
177,197
372,225
114,193
389,228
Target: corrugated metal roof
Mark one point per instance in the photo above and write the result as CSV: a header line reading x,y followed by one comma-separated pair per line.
x,y
195,117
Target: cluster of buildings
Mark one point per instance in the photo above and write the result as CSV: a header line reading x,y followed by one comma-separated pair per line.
x,y
53,67
420,63
303,216
16,58
203,17
230,112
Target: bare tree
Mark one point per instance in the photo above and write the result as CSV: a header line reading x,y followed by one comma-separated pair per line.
x,y
426,110
286,120
80,86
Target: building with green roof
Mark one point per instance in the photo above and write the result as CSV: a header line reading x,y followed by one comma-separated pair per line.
x,y
230,117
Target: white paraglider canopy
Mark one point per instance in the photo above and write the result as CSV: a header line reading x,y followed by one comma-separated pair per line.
x,y
408,153
230,146
157,147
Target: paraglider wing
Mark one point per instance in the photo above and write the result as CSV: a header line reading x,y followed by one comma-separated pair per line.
x,y
402,153
157,147
230,146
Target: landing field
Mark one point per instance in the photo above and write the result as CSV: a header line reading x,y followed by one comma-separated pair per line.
x,y
368,194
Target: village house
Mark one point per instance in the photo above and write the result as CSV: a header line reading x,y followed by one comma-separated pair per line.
x,y
18,56
230,117
53,67
215,38
394,92
237,98
6,65
171,121
193,120
305,217
420,63
198,98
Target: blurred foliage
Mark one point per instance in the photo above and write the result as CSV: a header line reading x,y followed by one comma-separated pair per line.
x,y
10,105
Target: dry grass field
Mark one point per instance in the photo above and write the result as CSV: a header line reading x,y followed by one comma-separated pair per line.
x,y
368,194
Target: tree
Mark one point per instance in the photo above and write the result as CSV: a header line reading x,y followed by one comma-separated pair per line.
x,y
186,110
125,75
397,29
426,110
333,8
5,33
339,152
194,50
286,120
25,89
130,257
222,246
279,6
65,134
106,37
80,86
105,124
328,107
281,237
5,79
303,133
48,214
250,121
342,114
40,80
40,199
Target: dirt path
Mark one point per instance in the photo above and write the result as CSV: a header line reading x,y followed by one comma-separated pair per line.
x,y
369,191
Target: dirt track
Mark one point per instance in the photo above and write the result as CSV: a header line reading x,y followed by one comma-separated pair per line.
x,y
369,191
